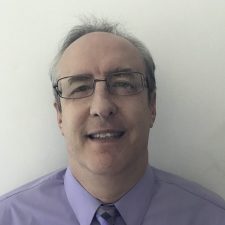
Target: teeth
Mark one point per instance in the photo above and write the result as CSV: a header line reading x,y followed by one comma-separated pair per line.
x,y
105,135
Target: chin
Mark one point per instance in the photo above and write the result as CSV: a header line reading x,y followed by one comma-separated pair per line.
x,y
103,166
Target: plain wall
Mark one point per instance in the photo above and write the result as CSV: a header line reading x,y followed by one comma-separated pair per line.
x,y
187,41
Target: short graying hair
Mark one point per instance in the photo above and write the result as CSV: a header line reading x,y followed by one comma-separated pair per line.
x,y
102,25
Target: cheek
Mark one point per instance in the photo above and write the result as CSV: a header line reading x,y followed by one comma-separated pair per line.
x,y
72,122
138,124
138,114
72,129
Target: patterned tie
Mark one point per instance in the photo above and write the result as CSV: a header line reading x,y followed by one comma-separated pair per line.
x,y
106,214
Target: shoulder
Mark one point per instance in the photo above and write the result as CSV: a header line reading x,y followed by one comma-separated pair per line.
x,y
54,178
188,187
187,197
35,198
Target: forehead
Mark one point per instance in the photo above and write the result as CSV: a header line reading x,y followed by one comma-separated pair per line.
x,y
98,53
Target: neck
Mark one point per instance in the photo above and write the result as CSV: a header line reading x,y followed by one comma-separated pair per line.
x,y
109,188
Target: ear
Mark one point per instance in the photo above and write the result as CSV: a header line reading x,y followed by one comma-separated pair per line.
x,y
59,116
152,108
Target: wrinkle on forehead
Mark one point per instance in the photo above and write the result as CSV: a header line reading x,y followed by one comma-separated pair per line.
x,y
107,47
102,38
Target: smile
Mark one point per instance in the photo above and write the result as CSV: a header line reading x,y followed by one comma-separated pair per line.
x,y
104,135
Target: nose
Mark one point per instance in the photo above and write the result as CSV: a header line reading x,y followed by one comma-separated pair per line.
x,y
102,104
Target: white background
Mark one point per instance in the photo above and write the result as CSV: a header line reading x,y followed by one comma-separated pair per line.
x,y
187,41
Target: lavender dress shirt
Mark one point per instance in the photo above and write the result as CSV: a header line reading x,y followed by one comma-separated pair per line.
x,y
159,198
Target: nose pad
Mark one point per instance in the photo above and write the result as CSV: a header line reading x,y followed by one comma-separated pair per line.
x,y
102,104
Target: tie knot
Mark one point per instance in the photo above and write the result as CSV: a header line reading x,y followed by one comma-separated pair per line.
x,y
106,214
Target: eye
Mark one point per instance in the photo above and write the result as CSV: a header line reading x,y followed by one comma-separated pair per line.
x,y
123,84
81,88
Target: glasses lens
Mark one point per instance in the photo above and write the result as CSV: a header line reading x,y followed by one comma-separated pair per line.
x,y
78,86
125,83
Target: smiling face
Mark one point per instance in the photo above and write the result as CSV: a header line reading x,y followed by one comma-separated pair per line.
x,y
105,133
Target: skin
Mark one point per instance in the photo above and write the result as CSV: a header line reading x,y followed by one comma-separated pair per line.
x,y
106,169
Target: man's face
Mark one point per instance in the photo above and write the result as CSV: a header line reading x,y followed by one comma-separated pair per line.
x,y
82,119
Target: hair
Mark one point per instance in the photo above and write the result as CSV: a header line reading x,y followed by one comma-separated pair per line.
x,y
101,25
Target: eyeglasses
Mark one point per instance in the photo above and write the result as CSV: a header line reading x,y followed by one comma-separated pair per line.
x,y
119,83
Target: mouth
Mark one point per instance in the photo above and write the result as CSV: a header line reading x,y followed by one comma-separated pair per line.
x,y
106,135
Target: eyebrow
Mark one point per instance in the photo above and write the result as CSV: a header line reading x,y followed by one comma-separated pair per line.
x,y
119,69
79,77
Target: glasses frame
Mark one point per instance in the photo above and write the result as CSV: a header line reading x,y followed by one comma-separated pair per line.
x,y
143,83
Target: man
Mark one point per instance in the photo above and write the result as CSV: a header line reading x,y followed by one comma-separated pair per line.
x,y
105,100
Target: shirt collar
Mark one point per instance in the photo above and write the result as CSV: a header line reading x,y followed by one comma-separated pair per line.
x,y
83,203
132,206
